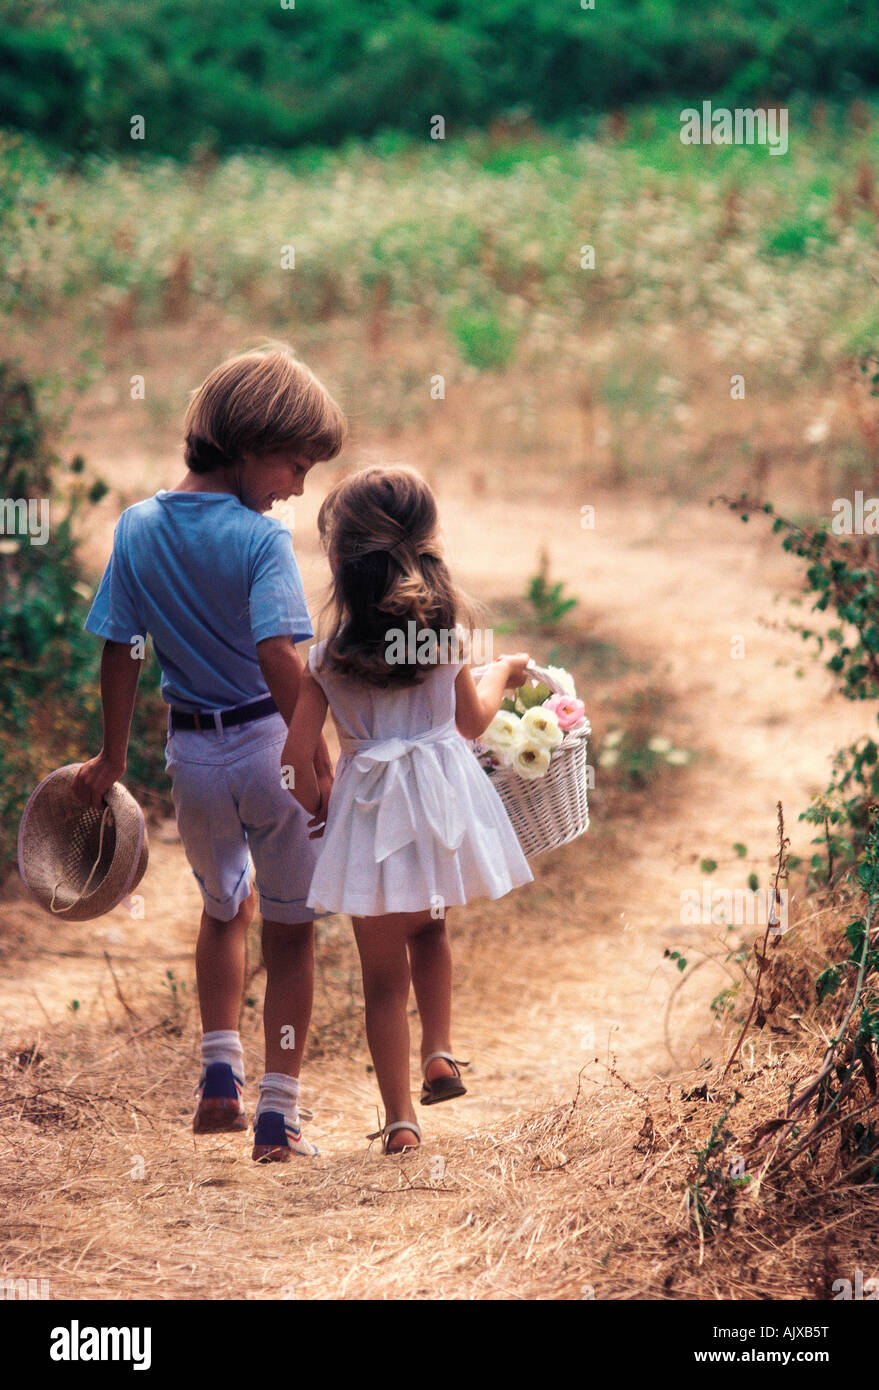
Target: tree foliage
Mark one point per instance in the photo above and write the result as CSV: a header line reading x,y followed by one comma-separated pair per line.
x,y
228,75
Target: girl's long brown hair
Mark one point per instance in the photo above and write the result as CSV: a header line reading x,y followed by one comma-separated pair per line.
x,y
381,531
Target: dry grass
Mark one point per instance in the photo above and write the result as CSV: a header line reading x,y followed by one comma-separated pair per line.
x,y
109,1195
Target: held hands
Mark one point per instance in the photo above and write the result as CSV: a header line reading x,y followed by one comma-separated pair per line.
x,y
516,667
95,778
317,823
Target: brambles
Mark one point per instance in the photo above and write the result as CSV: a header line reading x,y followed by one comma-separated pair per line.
x,y
828,1133
841,577
771,937
710,1189
842,1099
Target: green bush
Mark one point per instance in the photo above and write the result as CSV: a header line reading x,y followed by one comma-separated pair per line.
x,y
75,71
793,238
481,338
50,711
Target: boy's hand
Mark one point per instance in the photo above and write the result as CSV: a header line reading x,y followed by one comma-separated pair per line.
x,y
516,665
95,778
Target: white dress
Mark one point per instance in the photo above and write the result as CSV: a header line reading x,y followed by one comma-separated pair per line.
x,y
413,823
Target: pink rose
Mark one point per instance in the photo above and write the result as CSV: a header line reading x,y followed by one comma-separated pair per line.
x,y
566,709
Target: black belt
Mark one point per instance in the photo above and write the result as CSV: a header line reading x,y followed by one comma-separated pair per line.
x,y
204,719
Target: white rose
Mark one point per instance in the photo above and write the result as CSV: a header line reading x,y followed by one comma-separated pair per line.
x,y
562,678
501,734
541,725
530,759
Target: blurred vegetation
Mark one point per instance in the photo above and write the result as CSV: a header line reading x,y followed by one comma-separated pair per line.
x,y
225,76
762,257
549,603
50,711
470,262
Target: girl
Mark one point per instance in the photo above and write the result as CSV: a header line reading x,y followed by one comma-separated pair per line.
x,y
414,825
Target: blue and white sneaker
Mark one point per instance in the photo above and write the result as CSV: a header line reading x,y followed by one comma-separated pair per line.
x,y
220,1108
275,1140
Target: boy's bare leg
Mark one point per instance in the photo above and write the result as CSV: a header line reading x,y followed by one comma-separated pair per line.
x,y
219,967
288,952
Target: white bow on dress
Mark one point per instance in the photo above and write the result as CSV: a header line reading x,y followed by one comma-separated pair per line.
x,y
388,765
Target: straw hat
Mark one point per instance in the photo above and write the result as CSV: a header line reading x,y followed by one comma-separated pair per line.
x,y
79,862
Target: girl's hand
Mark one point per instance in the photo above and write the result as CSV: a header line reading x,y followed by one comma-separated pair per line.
x,y
477,705
516,666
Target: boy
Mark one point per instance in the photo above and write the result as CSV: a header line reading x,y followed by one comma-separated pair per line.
x,y
217,586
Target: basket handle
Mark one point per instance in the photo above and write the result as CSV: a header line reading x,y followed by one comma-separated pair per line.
x,y
539,673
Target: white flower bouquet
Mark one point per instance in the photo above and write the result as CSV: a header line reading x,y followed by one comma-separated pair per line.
x,y
534,750
526,729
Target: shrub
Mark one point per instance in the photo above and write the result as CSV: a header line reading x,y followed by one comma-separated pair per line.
x,y
841,576
481,338
50,711
261,74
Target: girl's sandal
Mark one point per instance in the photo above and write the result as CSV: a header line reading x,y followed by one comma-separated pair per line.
x,y
442,1087
385,1134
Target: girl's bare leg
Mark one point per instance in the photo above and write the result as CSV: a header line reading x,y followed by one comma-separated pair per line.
x,y
381,942
430,959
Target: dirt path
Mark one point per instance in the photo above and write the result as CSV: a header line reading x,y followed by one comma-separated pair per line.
x,y
573,967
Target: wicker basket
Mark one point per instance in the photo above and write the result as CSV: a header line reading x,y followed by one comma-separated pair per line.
x,y
548,811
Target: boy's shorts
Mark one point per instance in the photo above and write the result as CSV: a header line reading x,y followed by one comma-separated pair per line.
x,y
231,805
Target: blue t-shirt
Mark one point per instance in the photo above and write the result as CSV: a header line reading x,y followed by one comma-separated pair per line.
x,y
206,578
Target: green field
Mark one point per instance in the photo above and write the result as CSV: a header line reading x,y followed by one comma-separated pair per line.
x,y
475,254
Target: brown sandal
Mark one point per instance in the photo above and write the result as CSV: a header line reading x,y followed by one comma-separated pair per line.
x,y
385,1133
442,1087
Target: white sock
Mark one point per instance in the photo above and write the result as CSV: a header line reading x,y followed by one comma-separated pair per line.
x,y
279,1093
223,1045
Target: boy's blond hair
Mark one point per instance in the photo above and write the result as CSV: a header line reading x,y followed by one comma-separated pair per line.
x,y
258,403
